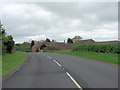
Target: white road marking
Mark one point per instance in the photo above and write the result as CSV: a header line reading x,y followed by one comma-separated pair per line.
x,y
57,63
49,57
74,81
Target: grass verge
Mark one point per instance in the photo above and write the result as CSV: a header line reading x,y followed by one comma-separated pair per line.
x,y
11,62
105,57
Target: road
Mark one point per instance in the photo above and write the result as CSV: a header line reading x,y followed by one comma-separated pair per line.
x,y
47,70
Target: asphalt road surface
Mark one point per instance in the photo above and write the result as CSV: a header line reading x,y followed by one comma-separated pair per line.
x,y
47,70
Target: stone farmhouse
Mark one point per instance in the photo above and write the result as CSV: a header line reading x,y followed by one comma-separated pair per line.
x,y
66,46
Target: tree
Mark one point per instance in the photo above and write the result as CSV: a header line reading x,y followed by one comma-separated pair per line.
x,y
48,40
32,43
9,43
76,38
69,40
7,40
0,37
37,50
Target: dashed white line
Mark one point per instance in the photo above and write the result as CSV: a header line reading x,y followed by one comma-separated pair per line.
x,y
74,81
57,63
49,57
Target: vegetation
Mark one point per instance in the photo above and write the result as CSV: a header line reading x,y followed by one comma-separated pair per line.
x,y
32,44
69,40
7,42
102,52
48,40
0,38
76,38
24,47
37,50
10,62
101,48
105,57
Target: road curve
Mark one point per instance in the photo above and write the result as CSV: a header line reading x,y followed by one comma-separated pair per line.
x,y
39,72
47,70
89,73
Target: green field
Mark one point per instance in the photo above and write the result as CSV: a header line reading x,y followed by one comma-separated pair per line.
x,y
105,57
10,62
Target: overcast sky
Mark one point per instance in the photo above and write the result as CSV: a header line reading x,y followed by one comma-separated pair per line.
x,y
59,21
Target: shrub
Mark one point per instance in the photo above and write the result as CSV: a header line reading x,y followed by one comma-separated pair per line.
x,y
102,48
28,50
37,50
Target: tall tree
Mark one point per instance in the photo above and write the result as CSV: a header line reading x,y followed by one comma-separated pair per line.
x,y
69,40
48,40
9,43
32,43
0,38
76,38
7,40
37,50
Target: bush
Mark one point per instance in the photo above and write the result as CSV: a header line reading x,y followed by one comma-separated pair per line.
x,y
28,51
102,48
37,50
44,50
23,48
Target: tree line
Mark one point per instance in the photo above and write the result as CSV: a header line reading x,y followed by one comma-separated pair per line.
x,y
6,41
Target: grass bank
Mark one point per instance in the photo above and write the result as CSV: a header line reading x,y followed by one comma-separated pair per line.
x,y
105,57
10,62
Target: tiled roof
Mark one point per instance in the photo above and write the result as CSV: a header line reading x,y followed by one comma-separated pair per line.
x,y
64,46
85,41
36,46
105,42
59,43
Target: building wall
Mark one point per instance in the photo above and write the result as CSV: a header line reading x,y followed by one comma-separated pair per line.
x,y
68,46
33,49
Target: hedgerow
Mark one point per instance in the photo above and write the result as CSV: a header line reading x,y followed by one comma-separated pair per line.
x,y
102,48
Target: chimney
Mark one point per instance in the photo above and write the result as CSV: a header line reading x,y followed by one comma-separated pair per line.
x,y
64,41
52,41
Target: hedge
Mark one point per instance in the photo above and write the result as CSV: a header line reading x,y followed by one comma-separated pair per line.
x,y
103,48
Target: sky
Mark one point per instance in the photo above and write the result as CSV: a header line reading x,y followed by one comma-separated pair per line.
x,y
60,20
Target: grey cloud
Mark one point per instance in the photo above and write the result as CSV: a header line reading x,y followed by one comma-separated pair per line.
x,y
60,20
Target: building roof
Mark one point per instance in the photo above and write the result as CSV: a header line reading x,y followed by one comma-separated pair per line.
x,y
36,46
84,41
64,45
105,42
59,43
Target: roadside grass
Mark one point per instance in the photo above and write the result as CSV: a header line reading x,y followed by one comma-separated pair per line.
x,y
105,57
11,62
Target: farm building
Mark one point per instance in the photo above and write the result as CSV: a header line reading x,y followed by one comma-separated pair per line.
x,y
60,45
66,46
